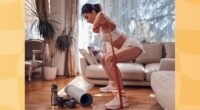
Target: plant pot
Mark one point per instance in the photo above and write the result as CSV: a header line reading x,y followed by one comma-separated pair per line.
x,y
50,73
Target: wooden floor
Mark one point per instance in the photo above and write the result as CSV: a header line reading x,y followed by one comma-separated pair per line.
x,y
38,96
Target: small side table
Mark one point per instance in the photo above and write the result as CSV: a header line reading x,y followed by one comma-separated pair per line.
x,y
28,66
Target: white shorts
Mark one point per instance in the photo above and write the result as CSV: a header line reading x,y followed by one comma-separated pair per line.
x,y
132,42
106,47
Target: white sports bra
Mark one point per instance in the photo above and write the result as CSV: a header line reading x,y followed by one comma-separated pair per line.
x,y
116,33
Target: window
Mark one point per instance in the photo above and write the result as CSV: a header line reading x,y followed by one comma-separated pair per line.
x,y
145,20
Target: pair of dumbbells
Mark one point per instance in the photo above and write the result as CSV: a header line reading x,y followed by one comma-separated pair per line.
x,y
60,101
71,102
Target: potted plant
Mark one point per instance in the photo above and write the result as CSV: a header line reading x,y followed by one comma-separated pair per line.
x,y
47,32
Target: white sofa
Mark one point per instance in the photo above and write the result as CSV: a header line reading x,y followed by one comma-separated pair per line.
x,y
137,73
163,84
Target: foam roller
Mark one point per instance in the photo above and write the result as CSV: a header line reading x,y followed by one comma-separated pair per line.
x,y
84,98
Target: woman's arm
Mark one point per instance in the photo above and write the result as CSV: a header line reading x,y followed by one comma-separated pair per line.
x,y
100,18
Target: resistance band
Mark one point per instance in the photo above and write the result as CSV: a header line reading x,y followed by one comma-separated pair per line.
x,y
115,68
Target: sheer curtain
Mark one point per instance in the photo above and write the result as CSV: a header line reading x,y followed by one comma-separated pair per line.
x,y
72,22
65,12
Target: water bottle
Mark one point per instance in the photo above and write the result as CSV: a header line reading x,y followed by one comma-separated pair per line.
x,y
54,96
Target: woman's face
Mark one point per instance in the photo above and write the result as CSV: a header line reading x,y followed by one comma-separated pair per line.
x,y
90,17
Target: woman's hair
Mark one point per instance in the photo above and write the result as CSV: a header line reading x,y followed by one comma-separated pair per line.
x,y
87,8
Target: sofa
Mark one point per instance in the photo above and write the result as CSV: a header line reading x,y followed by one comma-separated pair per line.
x,y
136,73
163,84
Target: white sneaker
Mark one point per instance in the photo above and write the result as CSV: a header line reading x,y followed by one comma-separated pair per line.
x,y
115,103
109,88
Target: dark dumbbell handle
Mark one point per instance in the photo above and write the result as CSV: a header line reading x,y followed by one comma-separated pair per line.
x,y
70,103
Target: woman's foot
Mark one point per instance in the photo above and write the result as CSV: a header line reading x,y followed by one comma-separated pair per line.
x,y
109,88
115,103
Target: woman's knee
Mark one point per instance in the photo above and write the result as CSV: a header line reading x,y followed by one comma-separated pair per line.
x,y
109,60
102,59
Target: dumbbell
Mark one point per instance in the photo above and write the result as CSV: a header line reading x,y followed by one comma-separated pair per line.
x,y
60,101
71,102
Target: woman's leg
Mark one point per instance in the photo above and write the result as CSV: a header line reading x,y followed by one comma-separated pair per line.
x,y
111,85
102,61
122,55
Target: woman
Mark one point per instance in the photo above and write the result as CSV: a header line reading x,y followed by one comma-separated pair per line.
x,y
127,49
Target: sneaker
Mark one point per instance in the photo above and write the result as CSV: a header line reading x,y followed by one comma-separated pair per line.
x,y
109,88
115,103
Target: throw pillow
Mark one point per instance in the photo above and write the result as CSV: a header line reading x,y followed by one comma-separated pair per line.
x,y
170,49
87,56
153,53
95,53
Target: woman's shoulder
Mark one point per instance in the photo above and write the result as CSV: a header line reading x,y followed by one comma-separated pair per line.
x,y
100,15
104,18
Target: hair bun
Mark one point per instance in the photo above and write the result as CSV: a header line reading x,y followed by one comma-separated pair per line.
x,y
97,7
87,8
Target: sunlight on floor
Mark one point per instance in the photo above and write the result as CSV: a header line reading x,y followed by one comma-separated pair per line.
x,y
98,95
152,95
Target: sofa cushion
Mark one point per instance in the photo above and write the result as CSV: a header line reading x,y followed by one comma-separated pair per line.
x,y
149,68
169,49
129,71
153,53
163,85
167,64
